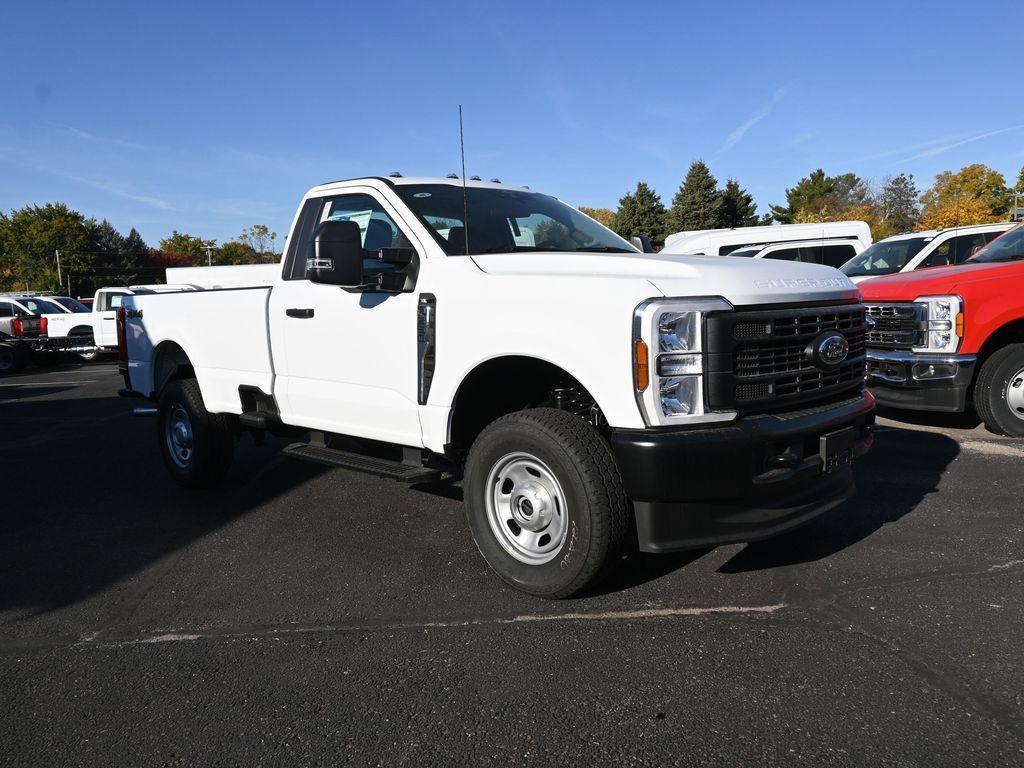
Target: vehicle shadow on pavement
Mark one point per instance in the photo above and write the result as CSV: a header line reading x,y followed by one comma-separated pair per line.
x,y
903,467
968,419
88,504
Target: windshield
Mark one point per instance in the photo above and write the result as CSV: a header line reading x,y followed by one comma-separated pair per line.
x,y
40,307
885,257
1009,247
72,305
506,220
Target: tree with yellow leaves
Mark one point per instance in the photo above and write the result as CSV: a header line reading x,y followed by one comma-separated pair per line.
x,y
604,215
976,194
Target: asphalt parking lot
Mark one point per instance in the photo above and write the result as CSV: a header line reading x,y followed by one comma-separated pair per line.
x,y
304,615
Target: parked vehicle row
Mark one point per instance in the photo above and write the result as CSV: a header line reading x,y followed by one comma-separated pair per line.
x,y
585,393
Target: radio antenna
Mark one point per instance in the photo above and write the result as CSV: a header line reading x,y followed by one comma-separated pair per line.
x,y
465,204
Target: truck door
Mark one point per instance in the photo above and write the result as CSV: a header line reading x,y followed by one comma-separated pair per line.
x,y
346,360
104,325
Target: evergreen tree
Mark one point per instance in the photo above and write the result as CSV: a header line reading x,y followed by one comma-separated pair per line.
x,y
898,199
738,208
134,243
698,203
641,213
819,197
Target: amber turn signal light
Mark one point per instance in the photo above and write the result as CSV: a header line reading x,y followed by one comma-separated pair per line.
x,y
641,366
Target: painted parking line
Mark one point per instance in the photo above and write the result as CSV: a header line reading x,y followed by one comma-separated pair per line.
x,y
50,383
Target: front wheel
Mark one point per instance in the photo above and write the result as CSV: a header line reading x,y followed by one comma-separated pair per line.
x,y
999,393
196,445
544,501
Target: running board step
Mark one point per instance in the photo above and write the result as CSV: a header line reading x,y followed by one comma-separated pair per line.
x,y
357,462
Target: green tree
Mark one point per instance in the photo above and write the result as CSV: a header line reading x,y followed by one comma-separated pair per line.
x,y
738,207
641,213
261,240
898,201
29,240
698,203
819,197
187,245
235,252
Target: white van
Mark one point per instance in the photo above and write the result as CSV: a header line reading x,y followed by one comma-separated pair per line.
x,y
916,250
722,242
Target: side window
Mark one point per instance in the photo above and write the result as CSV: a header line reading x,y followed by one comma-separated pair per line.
x,y
990,236
115,300
942,256
376,228
837,255
785,254
965,246
6,310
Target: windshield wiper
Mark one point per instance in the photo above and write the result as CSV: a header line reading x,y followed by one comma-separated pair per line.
x,y
603,249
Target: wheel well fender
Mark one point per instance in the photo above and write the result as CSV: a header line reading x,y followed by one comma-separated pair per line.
x,y
505,384
81,330
1011,332
169,362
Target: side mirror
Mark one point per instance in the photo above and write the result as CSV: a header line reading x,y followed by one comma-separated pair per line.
x,y
643,243
336,254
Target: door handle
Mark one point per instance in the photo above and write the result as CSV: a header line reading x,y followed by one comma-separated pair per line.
x,y
301,313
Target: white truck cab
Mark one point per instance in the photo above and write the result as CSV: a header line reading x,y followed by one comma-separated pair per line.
x,y
723,242
917,250
589,397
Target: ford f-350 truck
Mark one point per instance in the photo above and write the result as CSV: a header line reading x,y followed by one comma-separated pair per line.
x,y
587,395
947,336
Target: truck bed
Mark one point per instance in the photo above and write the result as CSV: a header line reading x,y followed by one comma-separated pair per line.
x,y
223,332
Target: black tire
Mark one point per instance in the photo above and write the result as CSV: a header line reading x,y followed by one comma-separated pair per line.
x,y
12,358
209,436
594,514
1001,383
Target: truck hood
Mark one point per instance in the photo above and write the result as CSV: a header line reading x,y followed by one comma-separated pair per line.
x,y
741,281
936,281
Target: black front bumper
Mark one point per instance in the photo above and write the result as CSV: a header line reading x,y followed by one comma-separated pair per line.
x,y
742,481
918,382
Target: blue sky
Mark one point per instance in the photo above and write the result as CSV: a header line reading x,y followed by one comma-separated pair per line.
x,y
209,117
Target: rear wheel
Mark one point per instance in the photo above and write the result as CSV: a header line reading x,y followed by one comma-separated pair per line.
x,y
999,392
544,501
196,446
12,358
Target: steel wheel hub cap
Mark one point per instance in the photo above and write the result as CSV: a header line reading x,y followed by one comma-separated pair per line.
x,y
526,508
1015,394
179,436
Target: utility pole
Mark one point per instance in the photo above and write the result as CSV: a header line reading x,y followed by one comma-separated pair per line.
x,y
59,280
209,256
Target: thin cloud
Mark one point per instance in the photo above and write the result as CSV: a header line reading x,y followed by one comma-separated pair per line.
x,y
119,191
946,147
737,135
87,136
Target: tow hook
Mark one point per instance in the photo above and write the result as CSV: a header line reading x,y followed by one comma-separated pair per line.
x,y
144,410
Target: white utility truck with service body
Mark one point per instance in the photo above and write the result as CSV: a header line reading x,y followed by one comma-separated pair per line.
x,y
588,396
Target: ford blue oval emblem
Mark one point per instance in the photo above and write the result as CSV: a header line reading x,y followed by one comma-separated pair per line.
x,y
828,350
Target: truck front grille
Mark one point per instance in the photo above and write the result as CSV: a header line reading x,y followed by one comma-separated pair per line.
x,y
762,360
897,326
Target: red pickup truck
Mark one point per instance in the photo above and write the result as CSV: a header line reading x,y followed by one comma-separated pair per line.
x,y
948,335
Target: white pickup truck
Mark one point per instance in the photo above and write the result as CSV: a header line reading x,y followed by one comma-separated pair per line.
x,y
590,397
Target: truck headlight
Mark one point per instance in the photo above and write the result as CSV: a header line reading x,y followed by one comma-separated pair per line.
x,y
668,360
944,323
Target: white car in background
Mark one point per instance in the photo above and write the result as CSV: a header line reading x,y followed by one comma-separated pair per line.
x,y
724,242
917,250
831,253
